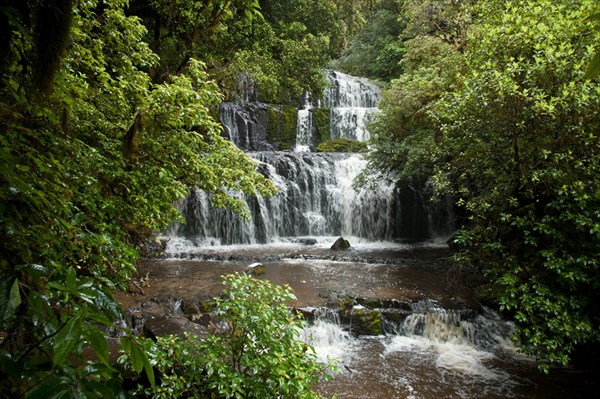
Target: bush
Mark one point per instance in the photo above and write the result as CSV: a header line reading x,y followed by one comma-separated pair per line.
x,y
257,353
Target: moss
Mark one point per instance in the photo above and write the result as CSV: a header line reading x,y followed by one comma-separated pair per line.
x,y
346,303
258,270
342,145
321,118
281,126
366,321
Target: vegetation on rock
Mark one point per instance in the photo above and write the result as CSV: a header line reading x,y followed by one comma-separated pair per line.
x,y
321,118
281,126
341,145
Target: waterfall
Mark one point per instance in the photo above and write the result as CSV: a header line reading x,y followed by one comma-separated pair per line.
x,y
316,197
245,125
326,335
452,342
304,129
353,103
345,91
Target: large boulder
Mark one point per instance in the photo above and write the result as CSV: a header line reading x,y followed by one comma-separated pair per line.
x,y
340,244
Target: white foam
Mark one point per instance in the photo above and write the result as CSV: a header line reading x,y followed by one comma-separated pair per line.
x,y
402,343
329,340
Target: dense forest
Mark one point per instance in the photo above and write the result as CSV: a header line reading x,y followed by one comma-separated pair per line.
x,y
109,115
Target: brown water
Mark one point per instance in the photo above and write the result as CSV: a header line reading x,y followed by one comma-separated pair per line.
x,y
438,356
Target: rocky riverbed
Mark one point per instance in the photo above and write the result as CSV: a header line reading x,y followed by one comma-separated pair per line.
x,y
407,324
368,286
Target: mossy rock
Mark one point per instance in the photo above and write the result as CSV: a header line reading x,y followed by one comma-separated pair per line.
x,y
340,244
321,118
258,270
281,126
365,321
342,145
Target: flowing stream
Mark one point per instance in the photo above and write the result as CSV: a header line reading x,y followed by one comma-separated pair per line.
x,y
435,340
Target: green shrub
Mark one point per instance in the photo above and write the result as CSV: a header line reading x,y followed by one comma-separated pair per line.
x,y
258,352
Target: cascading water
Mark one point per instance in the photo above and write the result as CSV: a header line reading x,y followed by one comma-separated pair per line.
x,y
353,102
419,349
315,197
465,356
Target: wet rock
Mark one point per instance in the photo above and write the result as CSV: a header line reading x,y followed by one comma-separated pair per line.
x,y
363,321
340,244
151,310
396,304
190,308
394,318
307,241
256,269
204,319
162,326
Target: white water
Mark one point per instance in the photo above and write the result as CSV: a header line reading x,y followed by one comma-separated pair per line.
x,y
328,338
304,128
351,123
463,358
315,198
352,102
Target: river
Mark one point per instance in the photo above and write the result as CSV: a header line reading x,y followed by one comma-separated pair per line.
x,y
444,345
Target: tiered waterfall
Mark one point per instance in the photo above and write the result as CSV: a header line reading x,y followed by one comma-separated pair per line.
x,y
316,197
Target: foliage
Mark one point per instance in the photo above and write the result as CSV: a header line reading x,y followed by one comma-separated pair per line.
x,y
259,353
404,135
341,145
92,161
377,48
514,140
520,152
593,69
448,20
282,45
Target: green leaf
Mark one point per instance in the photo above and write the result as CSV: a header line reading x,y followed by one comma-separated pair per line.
x,y
97,341
138,358
71,278
67,339
593,68
52,387
10,298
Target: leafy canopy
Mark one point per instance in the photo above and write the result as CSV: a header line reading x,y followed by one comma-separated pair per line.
x,y
94,153
520,153
505,120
